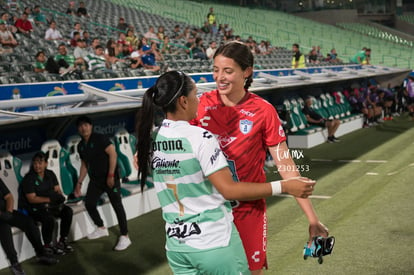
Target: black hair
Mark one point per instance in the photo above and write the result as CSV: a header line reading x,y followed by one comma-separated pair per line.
x,y
83,119
39,53
163,94
40,155
241,54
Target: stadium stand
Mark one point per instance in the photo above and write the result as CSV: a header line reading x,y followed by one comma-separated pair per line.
x,y
286,29
142,14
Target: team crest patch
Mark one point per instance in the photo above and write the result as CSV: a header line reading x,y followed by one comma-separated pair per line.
x,y
245,126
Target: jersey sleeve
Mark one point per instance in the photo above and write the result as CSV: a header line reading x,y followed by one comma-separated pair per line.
x,y
273,130
209,154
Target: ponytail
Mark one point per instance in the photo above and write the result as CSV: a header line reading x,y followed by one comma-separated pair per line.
x,y
144,132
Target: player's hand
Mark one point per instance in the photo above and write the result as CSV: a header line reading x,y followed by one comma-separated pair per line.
x,y
299,187
318,229
110,182
77,191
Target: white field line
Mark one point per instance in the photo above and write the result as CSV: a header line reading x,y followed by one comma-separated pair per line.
x,y
311,196
371,174
354,161
323,160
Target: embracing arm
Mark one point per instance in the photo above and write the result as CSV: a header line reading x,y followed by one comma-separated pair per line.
x,y
279,153
231,190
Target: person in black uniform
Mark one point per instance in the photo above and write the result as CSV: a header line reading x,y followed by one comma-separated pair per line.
x,y
10,217
99,159
315,119
41,198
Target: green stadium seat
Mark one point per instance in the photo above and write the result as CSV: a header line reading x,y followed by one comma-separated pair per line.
x,y
58,162
10,167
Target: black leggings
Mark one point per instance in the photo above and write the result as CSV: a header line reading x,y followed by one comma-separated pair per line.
x,y
91,200
47,219
27,225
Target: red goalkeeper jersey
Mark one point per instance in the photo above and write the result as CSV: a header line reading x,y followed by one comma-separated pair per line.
x,y
244,132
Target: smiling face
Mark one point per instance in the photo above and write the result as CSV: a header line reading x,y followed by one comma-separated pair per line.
x,y
229,76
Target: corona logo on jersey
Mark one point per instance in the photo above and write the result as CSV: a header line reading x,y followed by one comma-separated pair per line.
x,y
245,126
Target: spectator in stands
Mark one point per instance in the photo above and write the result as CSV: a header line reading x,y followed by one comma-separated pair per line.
x,y
52,33
77,27
7,40
298,59
314,118
38,17
99,161
95,42
74,40
318,51
151,35
195,48
166,46
10,217
211,17
135,58
233,74
23,25
124,53
71,10
206,28
186,33
40,63
122,39
66,61
176,32
157,54
97,60
148,57
28,10
262,48
112,51
409,94
211,50
122,25
333,56
362,57
80,54
82,11
8,21
87,37
160,33
42,198
313,57
131,38
44,64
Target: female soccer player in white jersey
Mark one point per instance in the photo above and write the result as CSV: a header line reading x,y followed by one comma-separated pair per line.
x,y
246,126
194,183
